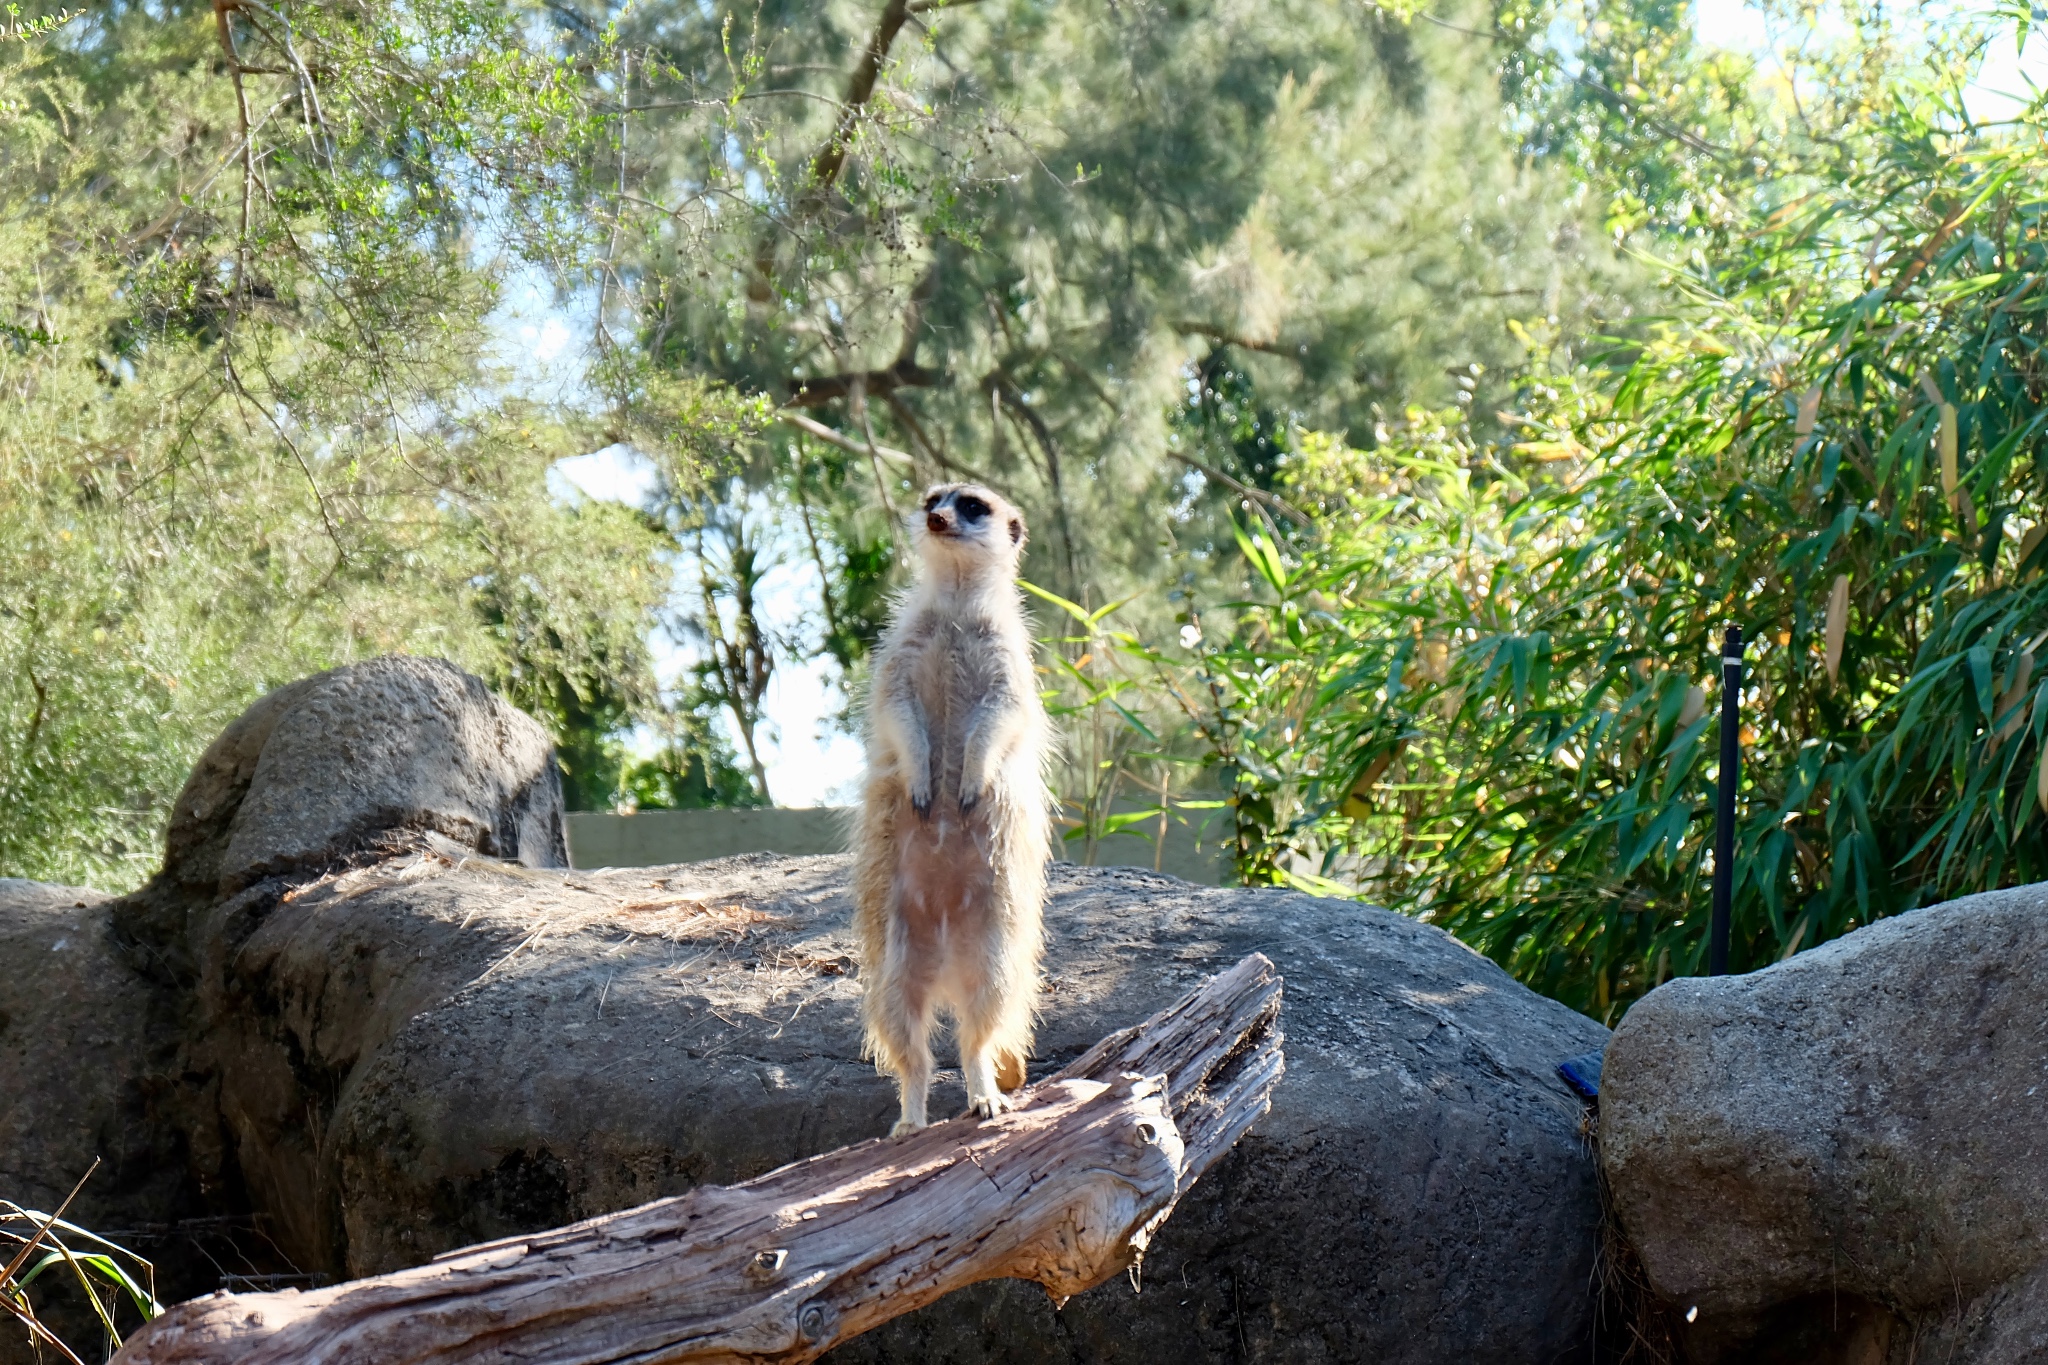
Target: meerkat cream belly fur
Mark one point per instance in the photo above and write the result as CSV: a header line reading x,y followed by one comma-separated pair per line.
x,y
953,836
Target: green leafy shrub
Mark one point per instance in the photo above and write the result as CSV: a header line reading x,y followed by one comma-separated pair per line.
x,y
1483,688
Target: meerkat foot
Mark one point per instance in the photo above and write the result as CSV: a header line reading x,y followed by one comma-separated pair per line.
x,y
904,1128
984,1097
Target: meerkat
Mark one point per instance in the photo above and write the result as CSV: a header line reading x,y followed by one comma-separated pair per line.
x,y
953,834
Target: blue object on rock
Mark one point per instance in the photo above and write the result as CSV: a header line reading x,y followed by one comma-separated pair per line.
x,y
1582,1074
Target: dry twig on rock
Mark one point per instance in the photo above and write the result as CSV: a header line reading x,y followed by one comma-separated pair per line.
x,y
1066,1190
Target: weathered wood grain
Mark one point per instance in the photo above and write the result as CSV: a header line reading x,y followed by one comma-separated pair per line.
x,y
1066,1191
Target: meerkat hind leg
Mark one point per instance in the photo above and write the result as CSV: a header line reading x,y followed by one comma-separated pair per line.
x,y
903,1036
913,1088
913,1092
985,1055
984,1097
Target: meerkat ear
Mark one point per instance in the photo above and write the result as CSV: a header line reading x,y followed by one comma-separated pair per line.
x,y
1016,530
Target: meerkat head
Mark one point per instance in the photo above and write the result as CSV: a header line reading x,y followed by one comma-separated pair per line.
x,y
968,529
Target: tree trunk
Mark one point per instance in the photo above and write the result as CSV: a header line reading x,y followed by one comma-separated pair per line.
x,y
1065,1190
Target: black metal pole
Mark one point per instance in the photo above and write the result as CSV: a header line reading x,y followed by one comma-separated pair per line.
x,y
1724,812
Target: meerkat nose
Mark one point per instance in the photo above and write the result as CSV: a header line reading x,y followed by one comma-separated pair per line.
x,y
935,522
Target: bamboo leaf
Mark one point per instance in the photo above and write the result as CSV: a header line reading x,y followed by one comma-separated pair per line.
x,y
1263,556
1073,609
1946,442
1837,625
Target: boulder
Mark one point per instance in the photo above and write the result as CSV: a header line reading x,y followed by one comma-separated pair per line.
x,y
1865,1123
394,1028
75,1045
83,1048
430,1054
329,765
106,1045
2007,1326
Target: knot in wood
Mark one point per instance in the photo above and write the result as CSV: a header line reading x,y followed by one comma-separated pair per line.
x,y
766,1265
815,1322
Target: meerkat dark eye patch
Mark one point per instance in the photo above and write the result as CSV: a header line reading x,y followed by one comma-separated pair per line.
x,y
933,501
973,509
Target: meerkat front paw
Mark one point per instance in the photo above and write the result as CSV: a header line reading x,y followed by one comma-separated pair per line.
x,y
969,799
904,1128
921,802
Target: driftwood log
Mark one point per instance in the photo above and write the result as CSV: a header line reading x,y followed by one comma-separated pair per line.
x,y
1066,1190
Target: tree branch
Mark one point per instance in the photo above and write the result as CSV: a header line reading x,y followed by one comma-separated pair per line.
x,y
860,86
931,447
1066,1190
1217,334
1929,249
840,439
225,32
859,404
1012,398
905,373
803,502
1598,87
831,158
1258,495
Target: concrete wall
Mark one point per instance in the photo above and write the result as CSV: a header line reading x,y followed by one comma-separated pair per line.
x,y
652,837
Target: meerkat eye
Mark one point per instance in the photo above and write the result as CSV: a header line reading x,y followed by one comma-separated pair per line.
x,y
933,501
973,509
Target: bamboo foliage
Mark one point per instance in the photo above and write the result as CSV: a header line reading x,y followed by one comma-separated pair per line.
x,y
1837,443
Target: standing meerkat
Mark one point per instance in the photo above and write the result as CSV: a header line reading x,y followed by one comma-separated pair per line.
x,y
949,858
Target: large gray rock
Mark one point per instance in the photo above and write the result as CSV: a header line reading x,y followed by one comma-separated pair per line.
x,y
1867,1122
106,1045
327,765
2007,1326
82,1045
353,764
391,1034
72,1013
425,1055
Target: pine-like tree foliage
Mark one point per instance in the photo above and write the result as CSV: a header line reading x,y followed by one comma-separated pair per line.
x,y
1024,250
1102,257
250,427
